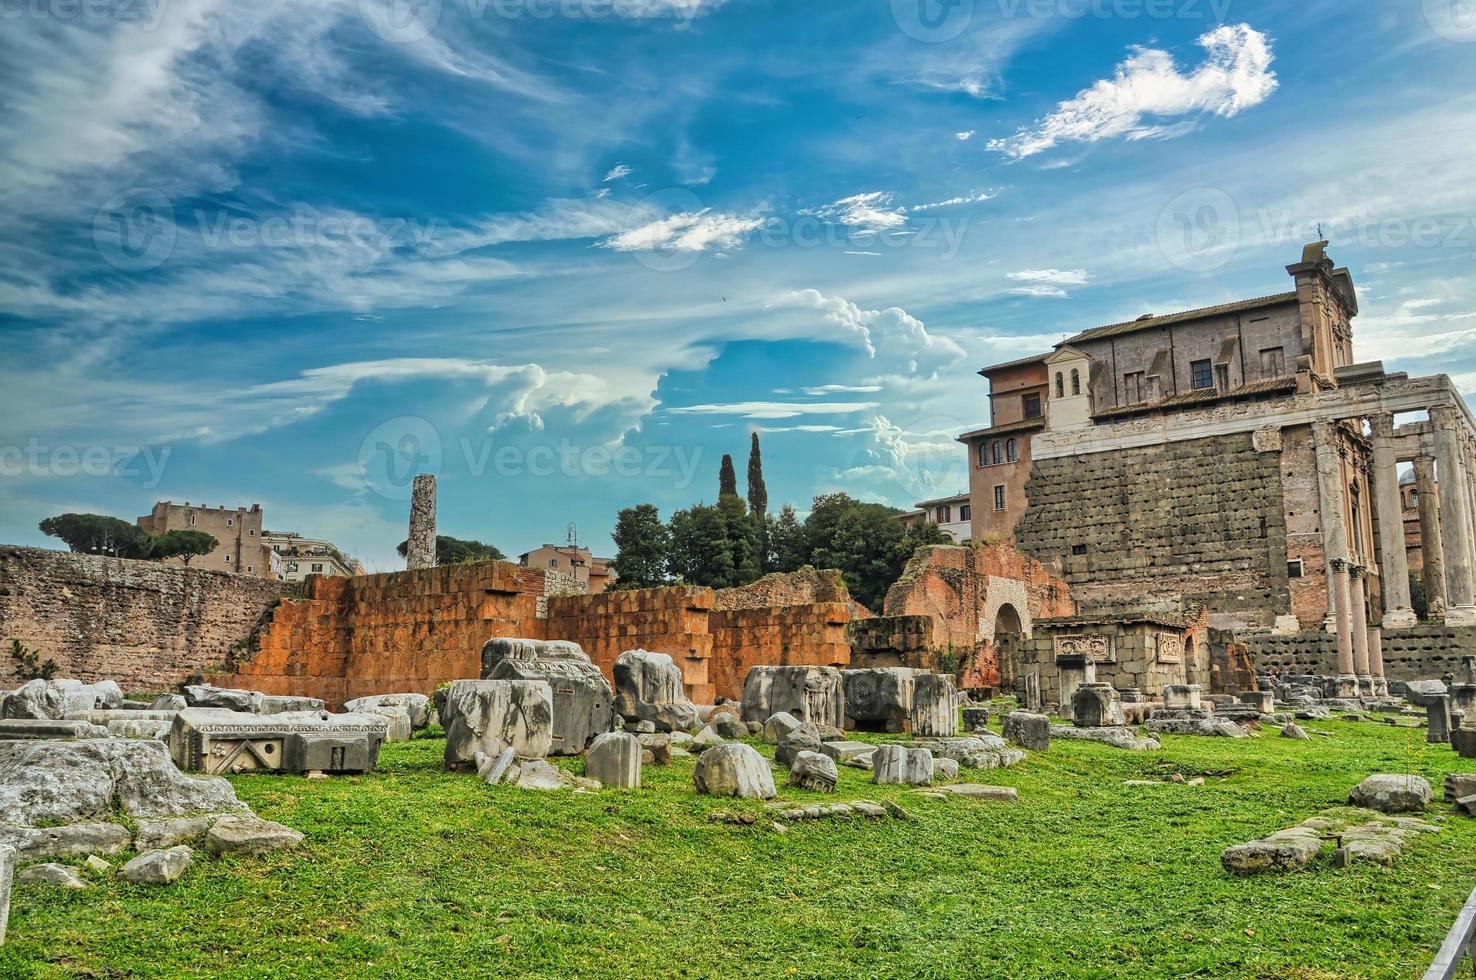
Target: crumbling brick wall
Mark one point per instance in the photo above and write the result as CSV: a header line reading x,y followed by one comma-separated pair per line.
x,y
1199,520
673,621
812,634
396,631
144,624
1420,652
967,592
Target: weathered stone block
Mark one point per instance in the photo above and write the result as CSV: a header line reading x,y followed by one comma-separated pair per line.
x,y
813,694
493,715
7,878
734,769
1096,705
614,758
648,687
418,706
1028,730
1392,793
780,724
158,867
880,699
934,706
216,741
583,701
901,766
814,771
230,699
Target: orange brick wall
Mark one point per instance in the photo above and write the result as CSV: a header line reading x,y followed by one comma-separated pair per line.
x,y
808,634
673,621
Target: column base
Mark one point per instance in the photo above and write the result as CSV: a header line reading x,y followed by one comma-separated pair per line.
x,y
1347,686
1460,616
1366,687
1381,687
1398,619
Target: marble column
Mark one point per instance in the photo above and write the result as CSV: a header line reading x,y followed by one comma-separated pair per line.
x,y
1455,517
420,547
1432,546
1376,662
1393,562
1358,603
1335,549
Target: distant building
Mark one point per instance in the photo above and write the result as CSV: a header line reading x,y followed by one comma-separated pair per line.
x,y
953,515
300,557
240,548
595,574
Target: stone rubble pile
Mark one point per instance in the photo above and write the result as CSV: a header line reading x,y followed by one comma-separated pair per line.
x,y
1365,835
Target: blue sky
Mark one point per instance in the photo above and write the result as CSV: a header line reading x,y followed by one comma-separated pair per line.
x,y
566,253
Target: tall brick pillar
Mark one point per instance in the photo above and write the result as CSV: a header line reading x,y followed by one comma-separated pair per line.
x,y
420,547
1455,517
1432,544
1393,562
1335,549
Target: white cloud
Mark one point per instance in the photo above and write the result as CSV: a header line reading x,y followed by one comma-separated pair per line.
x,y
870,212
687,231
952,202
617,172
1046,283
966,135
773,410
894,332
1234,77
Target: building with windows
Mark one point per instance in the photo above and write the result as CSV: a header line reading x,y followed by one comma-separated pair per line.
x,y
1239,459
594,574
298,557
953,515
239,549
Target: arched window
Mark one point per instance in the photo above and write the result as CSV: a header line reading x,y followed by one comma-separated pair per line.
x,y
1060,386
1075,381
998,452
1012,451
983,454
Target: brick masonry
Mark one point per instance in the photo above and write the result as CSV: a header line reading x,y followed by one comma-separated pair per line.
x,y
1197,520
144,624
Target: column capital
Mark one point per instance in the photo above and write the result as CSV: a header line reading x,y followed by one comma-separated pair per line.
x,y
1337,564
1357,571
1445,416
1382,425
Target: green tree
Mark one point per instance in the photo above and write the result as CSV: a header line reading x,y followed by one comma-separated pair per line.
x,y
715,545
456,551
727,478
758,494
97,534
789,545
642,544
184,545
866,542
28,663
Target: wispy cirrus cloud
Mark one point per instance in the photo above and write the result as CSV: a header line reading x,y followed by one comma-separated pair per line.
x,y
686,231
1051,283
1236,75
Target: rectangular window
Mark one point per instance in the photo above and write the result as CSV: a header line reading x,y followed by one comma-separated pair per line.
x,y
965,512
1294,568
1273,363
192,520
1201,375
943,515
230,522
1132,387
1032,406
317,567
999,498
228,559
251,532
1222,376
1078,549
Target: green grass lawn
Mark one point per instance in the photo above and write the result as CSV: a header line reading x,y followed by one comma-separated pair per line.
x,y
413,871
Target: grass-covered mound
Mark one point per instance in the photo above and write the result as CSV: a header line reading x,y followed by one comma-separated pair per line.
x,y
412,871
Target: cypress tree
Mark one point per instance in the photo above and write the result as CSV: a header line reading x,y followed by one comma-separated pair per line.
x,y
758,494
727,478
